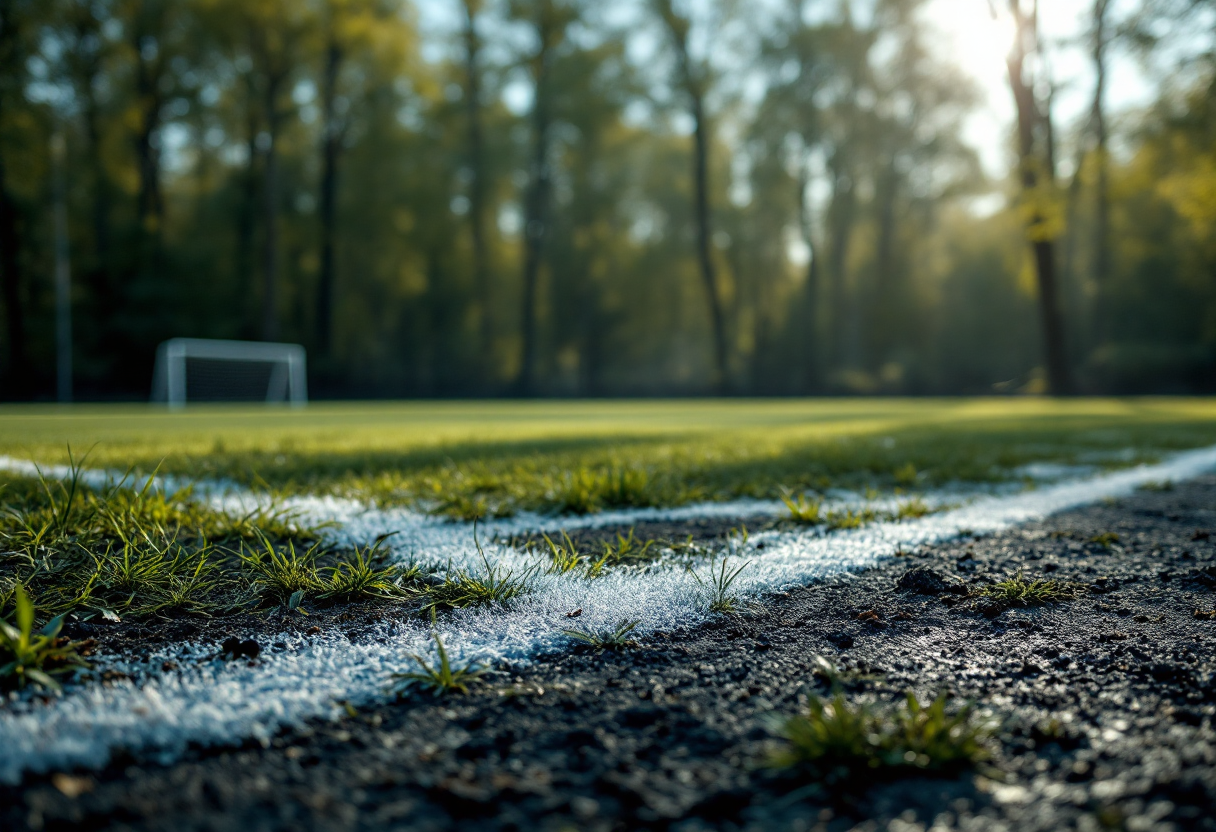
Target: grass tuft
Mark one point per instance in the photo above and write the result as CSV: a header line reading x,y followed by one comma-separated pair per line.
x,y
806,511
283,575
27,657
364,573
607,639
717,586
440,679
838,739
1016,591
494,586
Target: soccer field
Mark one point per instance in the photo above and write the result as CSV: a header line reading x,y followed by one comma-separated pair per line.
x,y
465,458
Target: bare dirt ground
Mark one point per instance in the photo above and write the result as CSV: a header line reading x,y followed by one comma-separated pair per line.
x,y
1107,704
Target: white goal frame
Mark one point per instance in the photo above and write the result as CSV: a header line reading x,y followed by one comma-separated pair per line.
x,y
288,380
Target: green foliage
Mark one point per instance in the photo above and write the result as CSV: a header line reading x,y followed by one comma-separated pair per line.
x,y
806,511
1105,539
587,490
563,557
912,509
365,573
615,638
850,518
27,657
839,739
440,679
494,585
716,586
1016,591
278,573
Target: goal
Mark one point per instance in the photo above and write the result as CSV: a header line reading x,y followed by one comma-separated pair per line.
x,y
205,370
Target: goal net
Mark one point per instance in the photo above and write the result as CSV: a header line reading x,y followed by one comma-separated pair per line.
x,y
204,370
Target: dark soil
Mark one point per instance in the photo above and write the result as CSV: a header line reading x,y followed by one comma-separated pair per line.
x,y
1108,702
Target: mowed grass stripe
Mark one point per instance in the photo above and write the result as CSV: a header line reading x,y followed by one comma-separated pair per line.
x,y
468,458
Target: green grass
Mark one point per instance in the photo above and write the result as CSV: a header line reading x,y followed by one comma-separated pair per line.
x,y
1016,591
467,459
439,679
612,638
838,739
137,551
37,658
716,585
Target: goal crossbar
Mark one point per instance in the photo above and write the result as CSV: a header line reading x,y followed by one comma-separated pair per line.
x,y
287,382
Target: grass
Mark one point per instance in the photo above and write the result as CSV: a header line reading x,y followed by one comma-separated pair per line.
x,y
1016,591
439,679
27,657
804,510
479,459
128,550
838,739
614,638
494,586
716,586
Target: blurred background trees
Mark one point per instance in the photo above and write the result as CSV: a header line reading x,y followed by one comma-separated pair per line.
x,y
561,197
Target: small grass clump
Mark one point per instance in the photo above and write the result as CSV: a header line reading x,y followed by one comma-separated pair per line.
x,y
494,586
716,587
912,509
27,657
849,518
1105,540
804,510
365,573
1016,591
283,575
616,638
839,740
440,679
586,490
564,557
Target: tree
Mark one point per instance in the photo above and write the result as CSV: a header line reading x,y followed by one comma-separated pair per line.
x,y
693,78
478,174
1037,174
548,21
14,26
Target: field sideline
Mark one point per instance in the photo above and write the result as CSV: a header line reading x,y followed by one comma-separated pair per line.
x,y
469,458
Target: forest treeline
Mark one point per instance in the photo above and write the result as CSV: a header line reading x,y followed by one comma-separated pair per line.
x,y
569,197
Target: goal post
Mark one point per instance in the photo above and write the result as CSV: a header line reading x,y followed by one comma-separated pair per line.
x,y
203,369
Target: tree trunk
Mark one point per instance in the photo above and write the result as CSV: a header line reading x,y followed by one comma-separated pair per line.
x,y
842,214
1033,166
883,322
270,213
705,236
477,185
103,296
246,216
693,83
331,148
536,212
1101,242
807,327
16,372
151,205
